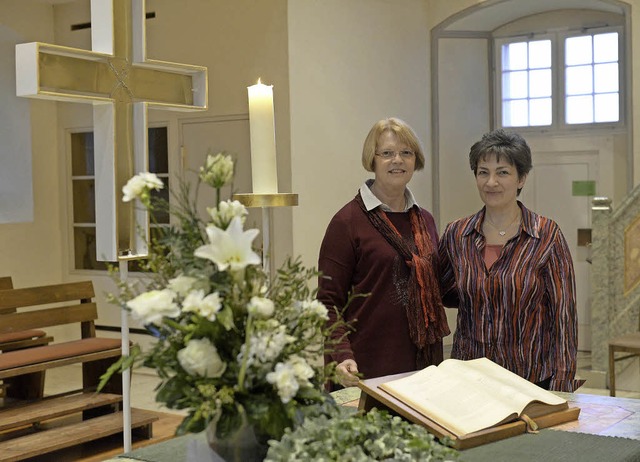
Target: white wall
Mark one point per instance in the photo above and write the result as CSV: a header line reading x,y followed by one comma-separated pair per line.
x,y
463,116
351,63
30,251
16,191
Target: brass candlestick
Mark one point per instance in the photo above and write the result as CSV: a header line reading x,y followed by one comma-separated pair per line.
x,y
266,202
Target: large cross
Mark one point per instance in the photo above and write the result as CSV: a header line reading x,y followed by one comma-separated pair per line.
x,y
121,83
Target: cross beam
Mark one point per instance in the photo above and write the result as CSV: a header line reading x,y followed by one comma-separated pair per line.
x,y
121,83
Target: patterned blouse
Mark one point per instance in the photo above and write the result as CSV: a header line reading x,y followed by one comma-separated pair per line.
x,y
520,313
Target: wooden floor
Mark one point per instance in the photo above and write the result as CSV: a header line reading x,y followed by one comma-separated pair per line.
x,y
107,448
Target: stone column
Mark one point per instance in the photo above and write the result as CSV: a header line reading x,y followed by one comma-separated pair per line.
x,y
601,270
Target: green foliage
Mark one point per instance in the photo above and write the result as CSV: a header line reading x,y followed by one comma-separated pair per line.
x,y
348,436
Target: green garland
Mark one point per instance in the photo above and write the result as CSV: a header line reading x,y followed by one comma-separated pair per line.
x,y
349,436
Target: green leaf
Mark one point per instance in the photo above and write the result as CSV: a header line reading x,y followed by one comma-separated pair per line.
x,y
121,365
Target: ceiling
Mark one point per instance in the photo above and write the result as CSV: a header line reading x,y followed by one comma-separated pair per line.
x,y
491,14
497,13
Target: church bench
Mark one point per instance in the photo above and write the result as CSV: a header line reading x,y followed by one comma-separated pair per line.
x,y
33,424
6,282
22,371
55,423
22,339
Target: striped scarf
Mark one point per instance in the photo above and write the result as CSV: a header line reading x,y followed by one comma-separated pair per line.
x,y
425,312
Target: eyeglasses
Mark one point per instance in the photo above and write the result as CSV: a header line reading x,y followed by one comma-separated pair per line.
x,y
388,154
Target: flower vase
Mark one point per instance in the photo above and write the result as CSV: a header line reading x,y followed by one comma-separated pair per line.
x,y
241,446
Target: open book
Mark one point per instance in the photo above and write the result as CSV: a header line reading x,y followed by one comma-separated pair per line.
x,y
468,396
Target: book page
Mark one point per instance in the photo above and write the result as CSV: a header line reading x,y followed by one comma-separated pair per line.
x,y
467,396
516,391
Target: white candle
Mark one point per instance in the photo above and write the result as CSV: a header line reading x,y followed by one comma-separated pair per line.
x,y
264,172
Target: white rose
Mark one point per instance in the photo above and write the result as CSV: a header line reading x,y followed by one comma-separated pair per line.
x,y
315,308
284,378
207,306
132,189
139,185
200,357
150,307
301,369
260,307
151,180
182,284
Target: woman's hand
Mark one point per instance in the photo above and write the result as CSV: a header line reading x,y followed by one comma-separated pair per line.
x,y
347,371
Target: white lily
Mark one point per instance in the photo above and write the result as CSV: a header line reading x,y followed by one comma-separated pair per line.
x,y
230,248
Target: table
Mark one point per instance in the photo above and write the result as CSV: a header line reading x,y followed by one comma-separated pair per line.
x,y
602,416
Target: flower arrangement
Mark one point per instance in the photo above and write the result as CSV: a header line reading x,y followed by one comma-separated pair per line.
x,y
234,346
242,351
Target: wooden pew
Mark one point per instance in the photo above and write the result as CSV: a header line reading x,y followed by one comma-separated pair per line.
x,y
69,304
22,339
6,282
46,306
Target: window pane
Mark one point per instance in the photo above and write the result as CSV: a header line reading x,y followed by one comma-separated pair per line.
x,y
598,83
527,76
514,56
540,54
158,150
607,108
605,78
540,111
578,50
515,113
579,109
161,216
579,80
84,201
605,47
540,83
514,85
82,154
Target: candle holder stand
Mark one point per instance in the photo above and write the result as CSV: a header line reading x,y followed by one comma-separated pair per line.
x,y
267,202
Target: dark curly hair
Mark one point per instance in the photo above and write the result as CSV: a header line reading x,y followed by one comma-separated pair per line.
x,y
504,145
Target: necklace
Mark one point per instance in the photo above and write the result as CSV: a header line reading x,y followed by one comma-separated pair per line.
x,y
502,232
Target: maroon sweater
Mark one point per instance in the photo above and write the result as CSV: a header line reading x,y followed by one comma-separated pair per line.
x,y
356,258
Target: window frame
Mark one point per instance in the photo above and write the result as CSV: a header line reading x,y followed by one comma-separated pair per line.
x,y
558,88
72,224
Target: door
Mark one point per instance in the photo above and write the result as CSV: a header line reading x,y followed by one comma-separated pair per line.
x,y
549,192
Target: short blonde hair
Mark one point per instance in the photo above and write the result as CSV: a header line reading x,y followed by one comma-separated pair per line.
x,y
404,133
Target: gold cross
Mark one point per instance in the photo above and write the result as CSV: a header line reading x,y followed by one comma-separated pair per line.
x,y
121,83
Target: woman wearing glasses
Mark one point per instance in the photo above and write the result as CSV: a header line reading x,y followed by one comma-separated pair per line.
x,y
378,261
510,273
